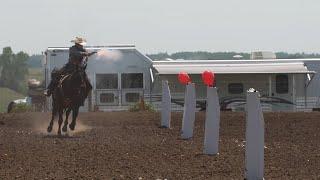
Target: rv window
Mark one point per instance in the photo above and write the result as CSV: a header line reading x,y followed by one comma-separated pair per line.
x,y
235,88
282,84
132,80
106,98
132,97
107,81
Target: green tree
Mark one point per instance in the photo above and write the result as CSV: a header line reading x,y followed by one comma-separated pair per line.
x,y
13,70
6,58
159,56
203,55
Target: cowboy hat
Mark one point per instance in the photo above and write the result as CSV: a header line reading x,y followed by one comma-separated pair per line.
x,y
79,40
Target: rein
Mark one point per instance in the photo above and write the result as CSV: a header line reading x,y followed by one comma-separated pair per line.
x,y
61,81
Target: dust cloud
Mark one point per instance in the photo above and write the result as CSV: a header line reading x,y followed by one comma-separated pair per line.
x,y
40,123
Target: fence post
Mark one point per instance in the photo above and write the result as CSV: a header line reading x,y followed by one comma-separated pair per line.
x,y
211,136
165,105
189,113
254,155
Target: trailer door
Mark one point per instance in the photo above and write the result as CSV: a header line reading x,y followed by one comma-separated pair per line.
x,y
107,89
132,86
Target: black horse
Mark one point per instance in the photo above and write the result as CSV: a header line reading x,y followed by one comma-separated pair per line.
x,y
69,95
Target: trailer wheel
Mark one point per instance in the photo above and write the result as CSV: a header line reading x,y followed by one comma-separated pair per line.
x,y
10,107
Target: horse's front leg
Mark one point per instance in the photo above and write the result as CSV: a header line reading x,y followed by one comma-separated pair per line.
x,y
49,129
60,120
65,126
75,112
54,112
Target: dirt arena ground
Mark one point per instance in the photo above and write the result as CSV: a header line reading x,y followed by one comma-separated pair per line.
x,y
124,145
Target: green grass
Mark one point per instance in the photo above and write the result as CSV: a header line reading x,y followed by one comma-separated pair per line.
x,y
6,96
36,73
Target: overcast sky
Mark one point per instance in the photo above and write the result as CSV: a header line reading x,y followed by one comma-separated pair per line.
x,y
163,25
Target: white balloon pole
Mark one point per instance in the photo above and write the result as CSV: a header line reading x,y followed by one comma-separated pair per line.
x,y
165,105
211,136
254,160
189,113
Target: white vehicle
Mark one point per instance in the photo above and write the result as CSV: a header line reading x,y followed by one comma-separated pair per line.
x,y
12,104
284,84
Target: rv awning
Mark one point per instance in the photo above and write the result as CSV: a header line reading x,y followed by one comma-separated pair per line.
x,y
256,68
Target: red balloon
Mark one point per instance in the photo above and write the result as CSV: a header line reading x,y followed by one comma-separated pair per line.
x,y
184,78
208,78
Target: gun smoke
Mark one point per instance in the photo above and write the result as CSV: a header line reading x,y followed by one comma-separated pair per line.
x,y
108,54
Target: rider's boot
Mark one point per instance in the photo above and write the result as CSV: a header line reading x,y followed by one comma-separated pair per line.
x,y
47,92
49,89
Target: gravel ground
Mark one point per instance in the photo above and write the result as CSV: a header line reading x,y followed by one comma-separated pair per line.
x,y
126,145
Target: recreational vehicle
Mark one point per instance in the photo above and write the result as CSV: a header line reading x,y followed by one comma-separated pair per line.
x,y
284,84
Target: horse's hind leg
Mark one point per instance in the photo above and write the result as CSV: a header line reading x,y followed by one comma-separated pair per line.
x,y
65,126
60,120
75,112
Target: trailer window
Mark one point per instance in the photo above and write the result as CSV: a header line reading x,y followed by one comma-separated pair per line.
x,y
106,97
235,88
132,80
107,81
282,84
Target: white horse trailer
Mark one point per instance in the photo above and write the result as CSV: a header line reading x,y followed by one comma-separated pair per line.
x,y
120,78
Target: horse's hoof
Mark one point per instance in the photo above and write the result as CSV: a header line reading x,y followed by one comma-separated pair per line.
x,y
72,126
65,128
59,133
49,129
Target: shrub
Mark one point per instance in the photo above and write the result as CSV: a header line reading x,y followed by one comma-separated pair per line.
x,y
141,106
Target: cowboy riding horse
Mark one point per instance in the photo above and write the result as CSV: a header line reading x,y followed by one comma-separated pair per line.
x,y
70,86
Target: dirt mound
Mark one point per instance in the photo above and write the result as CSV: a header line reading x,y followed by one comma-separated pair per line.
x,y
125,145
